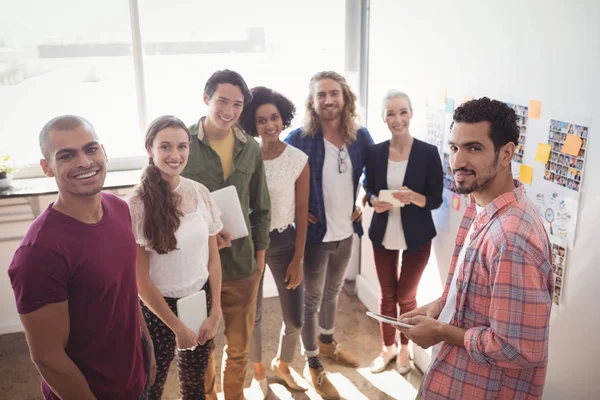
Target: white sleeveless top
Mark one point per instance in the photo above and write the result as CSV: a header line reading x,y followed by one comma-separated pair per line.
x,y
183,271
281,173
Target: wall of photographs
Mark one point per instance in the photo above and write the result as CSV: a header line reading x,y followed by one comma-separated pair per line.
x,y
565,169
522,118
559,266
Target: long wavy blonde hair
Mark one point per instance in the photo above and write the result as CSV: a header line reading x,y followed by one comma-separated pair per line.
x,y
349,117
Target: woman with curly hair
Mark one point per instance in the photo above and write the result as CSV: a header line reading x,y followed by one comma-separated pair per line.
x,y
287,172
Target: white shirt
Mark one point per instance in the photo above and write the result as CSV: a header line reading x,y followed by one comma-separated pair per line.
x,y
450,305
183,271
393,239
282,173
338,194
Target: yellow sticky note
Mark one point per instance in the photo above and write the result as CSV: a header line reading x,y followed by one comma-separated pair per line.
x,y
442,98
543,153
525,174
468,98
535,109
572,145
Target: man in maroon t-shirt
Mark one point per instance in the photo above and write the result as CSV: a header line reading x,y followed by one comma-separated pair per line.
x,y
74,281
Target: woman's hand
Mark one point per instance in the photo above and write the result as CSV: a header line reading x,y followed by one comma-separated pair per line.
x,y
185,339
209,327
405,195
380,206
294,274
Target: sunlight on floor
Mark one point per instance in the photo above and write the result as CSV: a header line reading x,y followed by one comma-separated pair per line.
x,y
391,383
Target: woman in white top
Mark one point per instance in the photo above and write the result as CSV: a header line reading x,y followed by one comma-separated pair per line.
x,y
412,170
287,172
175,222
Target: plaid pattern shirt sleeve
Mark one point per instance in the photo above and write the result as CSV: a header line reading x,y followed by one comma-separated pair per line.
x,y
504,302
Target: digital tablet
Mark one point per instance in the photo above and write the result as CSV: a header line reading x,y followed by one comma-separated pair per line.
x,y
388,320
232,215
386,195
192,311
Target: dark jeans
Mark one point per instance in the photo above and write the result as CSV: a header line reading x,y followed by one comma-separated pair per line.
x,y
278,258
325,266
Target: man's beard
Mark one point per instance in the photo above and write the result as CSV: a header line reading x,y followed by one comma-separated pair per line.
x,y
476,185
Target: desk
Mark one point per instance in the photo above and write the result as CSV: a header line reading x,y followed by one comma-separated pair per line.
x,y
33,188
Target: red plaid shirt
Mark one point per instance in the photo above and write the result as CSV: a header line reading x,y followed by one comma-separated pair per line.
x,y
504,300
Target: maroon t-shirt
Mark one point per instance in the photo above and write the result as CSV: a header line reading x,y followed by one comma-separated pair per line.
x,y
93,267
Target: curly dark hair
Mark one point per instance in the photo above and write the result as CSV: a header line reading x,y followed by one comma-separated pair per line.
x,y
260,96
503,119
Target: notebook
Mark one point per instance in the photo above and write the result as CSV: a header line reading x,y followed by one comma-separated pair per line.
x,y
232,215
192,311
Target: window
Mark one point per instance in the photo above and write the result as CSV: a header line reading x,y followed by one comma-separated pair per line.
x,y
68,56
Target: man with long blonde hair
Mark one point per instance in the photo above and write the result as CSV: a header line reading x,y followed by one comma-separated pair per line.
x,y
336,145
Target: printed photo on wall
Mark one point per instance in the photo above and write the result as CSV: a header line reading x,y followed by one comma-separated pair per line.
x,y
522,118
567,159
559,263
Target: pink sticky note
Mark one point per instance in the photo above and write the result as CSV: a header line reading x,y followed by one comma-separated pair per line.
x,y
455,201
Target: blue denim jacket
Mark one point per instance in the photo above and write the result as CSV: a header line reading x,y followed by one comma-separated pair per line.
x,y
314,147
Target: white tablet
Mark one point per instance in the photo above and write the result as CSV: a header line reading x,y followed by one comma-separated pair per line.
x,y
232,215
386,195
388,320
192,310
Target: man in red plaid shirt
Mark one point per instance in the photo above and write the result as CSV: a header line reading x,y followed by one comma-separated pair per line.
x,y
490,328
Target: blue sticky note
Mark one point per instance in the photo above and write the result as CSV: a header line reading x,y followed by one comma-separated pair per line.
x,y
449,105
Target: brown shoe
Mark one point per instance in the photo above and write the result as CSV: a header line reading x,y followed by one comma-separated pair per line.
x,y
293,380
334,351
318,379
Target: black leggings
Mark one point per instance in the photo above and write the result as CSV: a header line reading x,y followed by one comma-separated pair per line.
x,y
191,365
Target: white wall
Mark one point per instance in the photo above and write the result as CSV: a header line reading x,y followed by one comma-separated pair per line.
x,y
513,51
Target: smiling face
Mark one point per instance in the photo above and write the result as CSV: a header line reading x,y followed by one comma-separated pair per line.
x,y
170,151
76,160
473,160
328,99
397,116
225,106
269,123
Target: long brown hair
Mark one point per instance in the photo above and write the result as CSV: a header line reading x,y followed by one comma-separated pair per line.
x,y
348,123
161,205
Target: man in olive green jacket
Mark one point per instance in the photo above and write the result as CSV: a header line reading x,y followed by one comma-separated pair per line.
x,y
222,154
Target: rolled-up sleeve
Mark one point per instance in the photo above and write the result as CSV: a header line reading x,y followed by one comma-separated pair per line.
x,y
519,313
260,206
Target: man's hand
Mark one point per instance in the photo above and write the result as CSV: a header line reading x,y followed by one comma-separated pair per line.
x,y
259,255
224,239
357,214
312,219
294,274
425,332
152,365
431,310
